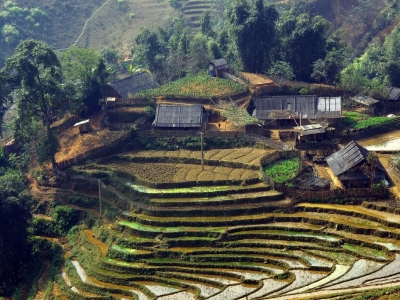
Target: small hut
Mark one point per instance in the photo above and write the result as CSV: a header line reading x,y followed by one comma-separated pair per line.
x,y
314,132
84,126
346,166
217,67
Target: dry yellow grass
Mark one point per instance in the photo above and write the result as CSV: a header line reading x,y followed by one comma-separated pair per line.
x,y
250,156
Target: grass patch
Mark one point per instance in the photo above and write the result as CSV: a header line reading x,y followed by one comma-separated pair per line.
x,y
362,121
283,170
196,86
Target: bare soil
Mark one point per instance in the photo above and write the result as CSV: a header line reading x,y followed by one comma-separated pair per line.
x,y
257,79
73,143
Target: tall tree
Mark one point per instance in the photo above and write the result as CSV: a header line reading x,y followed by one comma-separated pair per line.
x,y
302,42
85,75
252,29
37,70
14,217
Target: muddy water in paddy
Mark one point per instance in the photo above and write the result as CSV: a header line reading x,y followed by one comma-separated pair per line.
x,y
383,142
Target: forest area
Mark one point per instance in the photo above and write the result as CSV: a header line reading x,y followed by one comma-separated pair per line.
x,y
302,40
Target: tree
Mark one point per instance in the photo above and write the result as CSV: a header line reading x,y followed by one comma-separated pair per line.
x,y
281,69
369,167
205,24
302,42
37,70
85,75
252,30
14,218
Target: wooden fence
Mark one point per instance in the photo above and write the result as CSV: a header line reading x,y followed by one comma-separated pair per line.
x,y
120,102
93,152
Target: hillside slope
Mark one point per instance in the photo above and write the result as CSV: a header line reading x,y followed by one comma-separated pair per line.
x,y
114,24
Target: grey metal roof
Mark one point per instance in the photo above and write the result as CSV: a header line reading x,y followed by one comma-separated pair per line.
x,y
346,158
134,84
365,100
220,64
298,106
393,93
310,129
179,116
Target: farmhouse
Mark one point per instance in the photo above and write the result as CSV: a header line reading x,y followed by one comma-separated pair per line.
x,y
367,102
181,117
346,166
217,67
297,110
131,85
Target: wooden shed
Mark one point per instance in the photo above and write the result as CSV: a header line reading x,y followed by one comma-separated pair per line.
x,y
346,166
84,126
181,117
217,67
314,132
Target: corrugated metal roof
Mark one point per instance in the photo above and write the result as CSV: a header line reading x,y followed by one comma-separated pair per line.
x,y
365,100
82,122
346,158
219,62
310,129
393,93
304,106
179,116
134,84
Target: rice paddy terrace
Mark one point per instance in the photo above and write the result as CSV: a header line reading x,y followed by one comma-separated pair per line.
x,y
219,233
193,9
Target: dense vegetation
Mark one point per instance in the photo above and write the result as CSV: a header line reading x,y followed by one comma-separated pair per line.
x,y
196,86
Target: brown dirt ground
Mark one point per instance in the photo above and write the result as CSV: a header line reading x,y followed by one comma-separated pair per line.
x,y
73,143
257,79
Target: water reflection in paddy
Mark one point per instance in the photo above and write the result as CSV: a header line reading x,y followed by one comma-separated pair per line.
x,y
382,142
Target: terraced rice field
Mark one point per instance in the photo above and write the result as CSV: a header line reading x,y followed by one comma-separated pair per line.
x,y
192,11
226,242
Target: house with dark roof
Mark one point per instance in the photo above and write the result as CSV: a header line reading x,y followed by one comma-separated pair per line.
x,y
297,109
217,67
346,166
393,93
180,117
129,86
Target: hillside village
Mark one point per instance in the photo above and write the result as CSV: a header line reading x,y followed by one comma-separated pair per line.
x,y
254,201
200,149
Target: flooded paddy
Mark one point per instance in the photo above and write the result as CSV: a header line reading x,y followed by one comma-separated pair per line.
x,y
269,286
158,289
360,268
302,278
206,290
233,292
387,270
382,142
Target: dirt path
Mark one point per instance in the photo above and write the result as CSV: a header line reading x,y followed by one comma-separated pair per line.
x,y
85,25
42,282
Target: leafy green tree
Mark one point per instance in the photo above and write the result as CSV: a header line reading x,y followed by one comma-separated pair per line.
x,y
37,70
205,24
281,69
302,42
198,53
14,218
252,31
85,76
63,218
150,50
